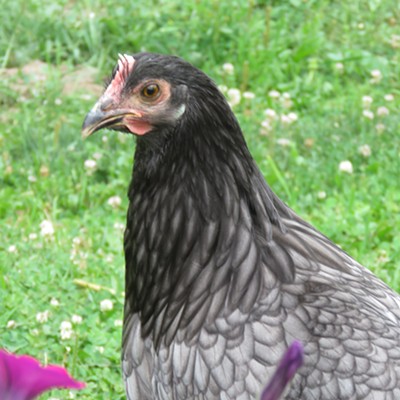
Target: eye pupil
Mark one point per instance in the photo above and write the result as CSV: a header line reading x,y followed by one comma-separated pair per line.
x,y
151,90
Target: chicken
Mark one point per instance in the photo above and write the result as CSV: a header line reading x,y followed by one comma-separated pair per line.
x,y
221,275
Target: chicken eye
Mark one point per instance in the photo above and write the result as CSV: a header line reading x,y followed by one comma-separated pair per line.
x,y
151,91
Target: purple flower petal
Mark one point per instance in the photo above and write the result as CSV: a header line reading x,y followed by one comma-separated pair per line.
x,y
23,378
290,363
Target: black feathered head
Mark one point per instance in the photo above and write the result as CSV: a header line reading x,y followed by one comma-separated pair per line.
x,y
149,93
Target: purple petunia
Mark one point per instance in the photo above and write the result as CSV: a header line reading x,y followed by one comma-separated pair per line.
x,y
23,378
290,363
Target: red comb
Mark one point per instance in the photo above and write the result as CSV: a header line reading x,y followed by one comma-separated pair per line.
x,y
125,67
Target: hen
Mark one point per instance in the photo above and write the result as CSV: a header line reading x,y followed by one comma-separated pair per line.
x,y
221,275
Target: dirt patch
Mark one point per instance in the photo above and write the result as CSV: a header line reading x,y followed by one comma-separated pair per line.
x,y
83,79
30,78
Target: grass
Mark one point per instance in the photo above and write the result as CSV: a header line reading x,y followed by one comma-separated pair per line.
x,y
293,47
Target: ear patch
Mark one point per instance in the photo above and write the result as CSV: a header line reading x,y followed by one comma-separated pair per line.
x,y
125,67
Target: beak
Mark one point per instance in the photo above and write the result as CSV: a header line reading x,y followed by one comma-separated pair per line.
x,y
98,119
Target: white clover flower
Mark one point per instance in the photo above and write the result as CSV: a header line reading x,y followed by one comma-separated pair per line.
x,y
109,258
90,166
274,94
97,155
382,111
284,142
12,248
249,95
57,102
71,147
234,96
292,117
266,124
118,322
365,150
42,317
54,302
32,178
375,73
92,15
395,41
389,97
104,138
119,226
66,330
286,100
100,349
223,88
368,114
339,67
228,68
76,241
106,305
289,118
285,119
265,131
34,332
46,228
376,76
76,319
32,236
367,101
271,114
11,324
321,195
114,201
380,128
346,166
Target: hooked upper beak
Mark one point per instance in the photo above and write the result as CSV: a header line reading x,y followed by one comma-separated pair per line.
x,y
98,119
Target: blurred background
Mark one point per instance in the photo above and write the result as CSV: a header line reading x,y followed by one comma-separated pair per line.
x,y
314,84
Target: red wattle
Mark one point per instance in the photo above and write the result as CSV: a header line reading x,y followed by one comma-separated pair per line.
x,y
138,127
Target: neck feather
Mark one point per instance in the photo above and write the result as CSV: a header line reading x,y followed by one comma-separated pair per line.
x,y
193,201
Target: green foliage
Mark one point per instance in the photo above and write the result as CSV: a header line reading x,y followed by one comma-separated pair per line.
x,y
320,52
